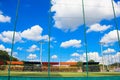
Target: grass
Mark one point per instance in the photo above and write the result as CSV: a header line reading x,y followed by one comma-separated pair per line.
x,y
60,74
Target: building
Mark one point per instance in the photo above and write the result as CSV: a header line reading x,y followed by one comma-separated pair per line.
x,y
68,64
92,67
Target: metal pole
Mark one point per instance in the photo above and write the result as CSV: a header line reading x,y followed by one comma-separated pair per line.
x,y
59,62
116,61
119,59
13,39
108,63
41,52
49,33
102,55
85,37
76,58
116,24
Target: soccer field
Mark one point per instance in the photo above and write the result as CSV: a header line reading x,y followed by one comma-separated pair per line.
x,y
60,74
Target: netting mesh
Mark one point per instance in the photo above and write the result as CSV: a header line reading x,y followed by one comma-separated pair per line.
x,y
59,38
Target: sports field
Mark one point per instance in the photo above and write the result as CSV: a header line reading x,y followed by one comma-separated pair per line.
x,y
60,74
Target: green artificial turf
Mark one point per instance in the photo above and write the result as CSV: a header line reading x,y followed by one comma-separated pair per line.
x,y
60,74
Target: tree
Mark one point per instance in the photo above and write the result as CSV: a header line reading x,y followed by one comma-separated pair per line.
x,y
5,57
79,64
91,60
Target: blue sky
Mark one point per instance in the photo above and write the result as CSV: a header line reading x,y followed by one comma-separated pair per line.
x,y
67,31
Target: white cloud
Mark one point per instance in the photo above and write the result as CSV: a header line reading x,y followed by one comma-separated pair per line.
x,y
110,59
75,54
107,59
91,56
68,13
94,56
116,57
82,57
15,54
7,36
54,57
71,43
111,37
4,18
71,60
1,12
51,46
34,33
2,47
98,28
32,48
32,56
108,51
19,48
55,41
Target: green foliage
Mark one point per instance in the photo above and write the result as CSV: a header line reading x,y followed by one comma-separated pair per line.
x,y
79,64
14,59
91,68
16,68
91,60
115,64
2,67
5,57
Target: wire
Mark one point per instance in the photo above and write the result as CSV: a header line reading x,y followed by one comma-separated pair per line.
x,y
85,38
76,5
49,33
13,38
116,24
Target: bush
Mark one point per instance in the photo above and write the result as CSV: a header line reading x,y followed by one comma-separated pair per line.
x,y
2,67
16,68
60,69
44,69
92,68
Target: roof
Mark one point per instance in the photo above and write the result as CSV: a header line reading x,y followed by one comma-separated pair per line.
x,y
28,62
44,63
68,63
91,63
1,62
51,63
15,62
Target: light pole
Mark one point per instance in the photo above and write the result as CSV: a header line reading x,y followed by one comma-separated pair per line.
x,y
101,44
119,59
41,52
118,64
59,61
108,67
